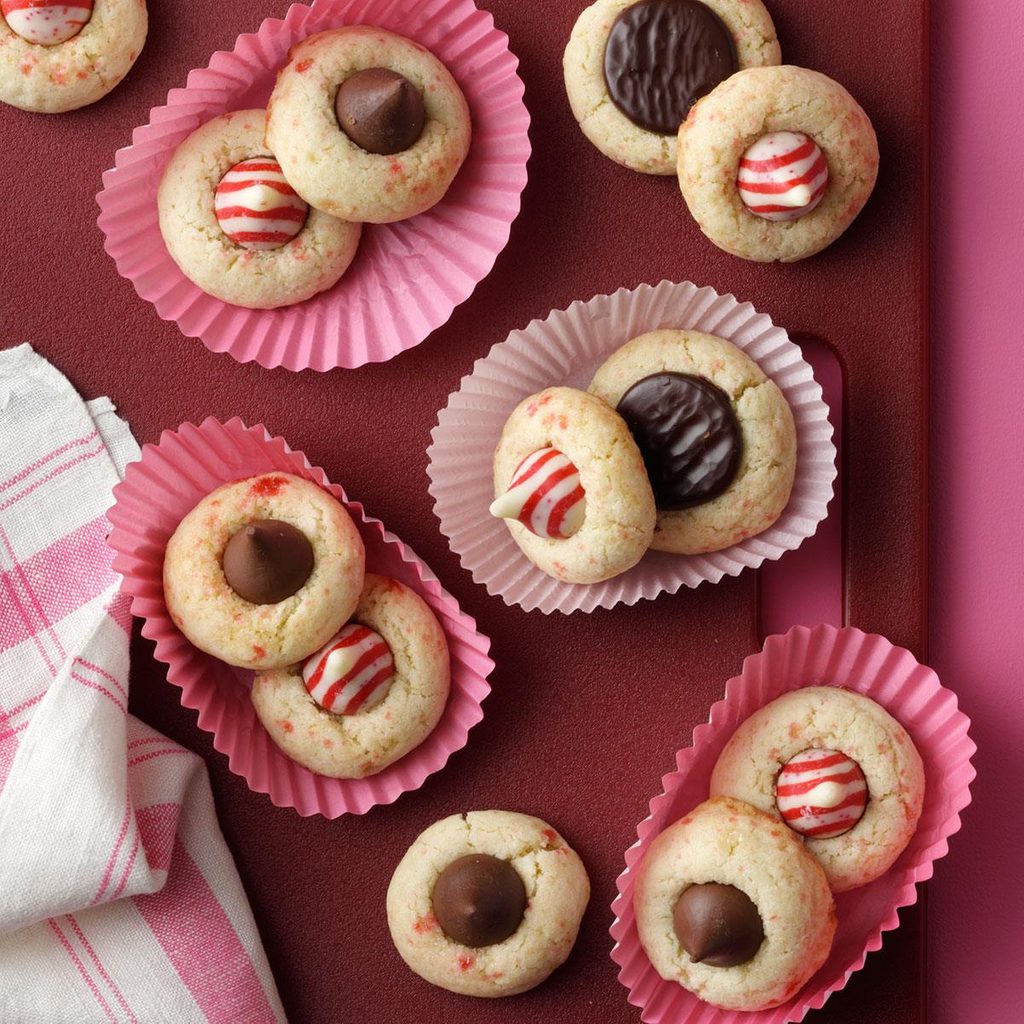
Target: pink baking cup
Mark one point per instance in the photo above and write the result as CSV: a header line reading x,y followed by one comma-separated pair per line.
x,y
407,278
822,656
567,348
158,490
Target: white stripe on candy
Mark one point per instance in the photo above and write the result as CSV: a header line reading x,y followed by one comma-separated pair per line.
x,y
821,793
256,207
45,22
352,672
782,176
545,495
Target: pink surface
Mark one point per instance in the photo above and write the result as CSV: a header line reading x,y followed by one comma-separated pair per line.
x,y
157,491
822,656
976,906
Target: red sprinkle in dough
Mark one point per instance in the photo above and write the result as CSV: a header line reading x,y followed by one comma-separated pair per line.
x,y
286,725
427,923
303,65
465,962
550,835
258,651
268,486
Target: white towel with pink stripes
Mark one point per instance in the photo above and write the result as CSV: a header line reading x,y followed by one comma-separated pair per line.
x,y
119,900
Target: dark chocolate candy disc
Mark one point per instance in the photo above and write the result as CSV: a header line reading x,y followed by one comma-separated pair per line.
x,y
479,900
717,925
688,435
267,561
661,57
380,110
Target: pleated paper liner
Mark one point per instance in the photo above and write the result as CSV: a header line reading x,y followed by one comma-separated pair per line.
x,y
566,348
822,656
157,492
408,277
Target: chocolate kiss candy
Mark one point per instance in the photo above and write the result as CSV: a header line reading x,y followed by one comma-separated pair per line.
x,y
479,900
267,561
717,925
380,110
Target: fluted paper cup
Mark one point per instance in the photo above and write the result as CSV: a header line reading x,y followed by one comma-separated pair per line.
x,y
408,277
822,656
165,484
566,348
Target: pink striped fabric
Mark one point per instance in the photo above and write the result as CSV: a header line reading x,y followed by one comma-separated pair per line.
x,y
120,901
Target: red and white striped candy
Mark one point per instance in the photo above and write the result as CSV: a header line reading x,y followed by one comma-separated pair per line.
x,y
46,22
545,496
782,176
350,673
256,207
821,793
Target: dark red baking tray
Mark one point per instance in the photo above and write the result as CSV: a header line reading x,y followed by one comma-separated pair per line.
x,y
587,711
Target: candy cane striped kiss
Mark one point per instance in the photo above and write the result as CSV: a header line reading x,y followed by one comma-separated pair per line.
x,y
350,673
256,207
545,495
46,22
821,793
782,176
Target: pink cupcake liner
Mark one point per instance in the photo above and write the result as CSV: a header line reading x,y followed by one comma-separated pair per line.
x,y
821,656
408,277
567,348
167,482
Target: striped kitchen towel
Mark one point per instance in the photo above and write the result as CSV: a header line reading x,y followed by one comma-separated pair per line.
x,y
119,900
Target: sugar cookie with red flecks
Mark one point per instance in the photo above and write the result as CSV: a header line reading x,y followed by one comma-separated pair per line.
x,y
541,918
618,505
764,465
728,844
831,721
200,582
739,114
642,44
56,57
372,693
319,131
229,218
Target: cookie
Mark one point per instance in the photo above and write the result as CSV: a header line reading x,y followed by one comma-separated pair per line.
x,y
790,137
368,126
487,903
838,769
633,68
235,226
56,57
730,905
716,434
587,516
263,571
371,694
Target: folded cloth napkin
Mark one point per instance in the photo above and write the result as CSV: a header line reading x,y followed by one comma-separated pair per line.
x,y
119,900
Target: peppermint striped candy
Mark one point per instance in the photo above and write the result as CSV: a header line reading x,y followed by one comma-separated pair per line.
x,y
782,176
350,673
821,793
256,207
545,496
46,22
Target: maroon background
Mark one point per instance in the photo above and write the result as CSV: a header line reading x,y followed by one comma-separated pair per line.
x,y
586,711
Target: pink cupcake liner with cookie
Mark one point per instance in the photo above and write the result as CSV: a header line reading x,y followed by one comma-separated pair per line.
x,y
566,348
822,656
165,484
407,278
